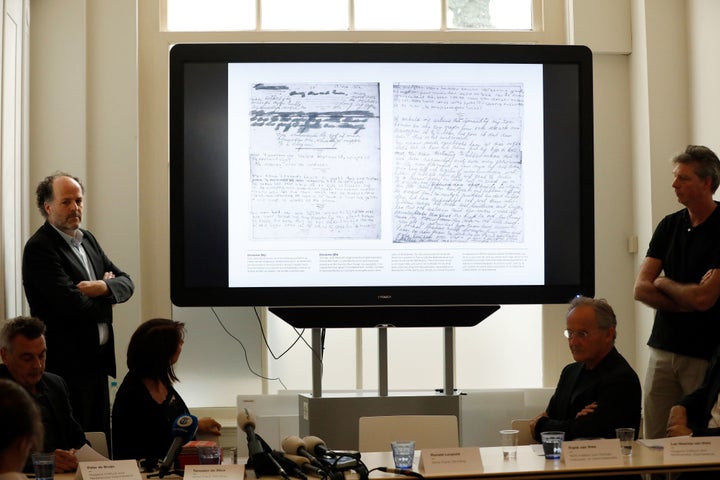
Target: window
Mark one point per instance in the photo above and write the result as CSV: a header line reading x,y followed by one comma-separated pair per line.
x,y
350,15
484,358
490,14
210,15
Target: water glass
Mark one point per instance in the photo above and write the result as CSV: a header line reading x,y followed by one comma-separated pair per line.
x,y
626,437
403,453
209,455
44,465
552,444
509,441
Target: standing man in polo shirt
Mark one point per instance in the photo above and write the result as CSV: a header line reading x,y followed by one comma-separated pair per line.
x,y
71,285
680,279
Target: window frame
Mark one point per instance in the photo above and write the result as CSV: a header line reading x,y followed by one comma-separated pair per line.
x,y
548,27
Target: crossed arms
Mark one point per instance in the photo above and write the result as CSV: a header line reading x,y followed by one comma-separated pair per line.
x,y
663,293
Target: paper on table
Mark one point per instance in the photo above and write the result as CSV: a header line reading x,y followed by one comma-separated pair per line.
x,y
658,443
108,470
88,454
537,449
214,472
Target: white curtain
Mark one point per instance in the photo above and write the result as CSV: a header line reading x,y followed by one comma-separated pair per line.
x,y
13,153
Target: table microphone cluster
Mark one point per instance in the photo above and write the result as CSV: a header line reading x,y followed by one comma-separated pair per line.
x,y
332,463
300,458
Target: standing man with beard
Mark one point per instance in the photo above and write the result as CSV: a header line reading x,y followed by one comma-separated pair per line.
x,y
71,285
680,279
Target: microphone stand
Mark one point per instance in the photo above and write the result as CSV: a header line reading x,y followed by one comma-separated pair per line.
x,y
150,466
177,472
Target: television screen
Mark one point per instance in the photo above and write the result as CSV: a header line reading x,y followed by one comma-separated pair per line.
x,y
342,179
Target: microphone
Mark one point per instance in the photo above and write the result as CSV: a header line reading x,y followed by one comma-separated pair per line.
x,y
246,422
400,471
296,446
291,467
183,430
305,465
318,447
261,459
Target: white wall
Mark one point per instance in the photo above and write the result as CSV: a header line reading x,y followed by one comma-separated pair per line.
x,y
704,69
83,120
663,115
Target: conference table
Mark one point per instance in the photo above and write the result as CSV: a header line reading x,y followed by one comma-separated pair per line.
x,y
527,465
530,465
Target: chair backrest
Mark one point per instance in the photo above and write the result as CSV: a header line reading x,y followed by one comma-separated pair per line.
x,y
428,431
522,425
98,442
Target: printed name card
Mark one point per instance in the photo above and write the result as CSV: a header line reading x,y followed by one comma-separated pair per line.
x,y
592,453
449,461
214,472
108,470
692,450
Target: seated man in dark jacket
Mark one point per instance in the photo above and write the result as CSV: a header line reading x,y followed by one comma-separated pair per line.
x,y
698,414
23,351
600,391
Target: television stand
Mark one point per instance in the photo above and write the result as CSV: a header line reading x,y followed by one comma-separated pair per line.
x,y
449,356
320,415
383,318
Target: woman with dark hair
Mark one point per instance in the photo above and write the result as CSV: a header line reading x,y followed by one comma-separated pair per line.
x,y
21,429
146,403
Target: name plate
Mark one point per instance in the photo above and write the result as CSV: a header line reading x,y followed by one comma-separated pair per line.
x,y
692,450
592,453
214,472
450,461
108,470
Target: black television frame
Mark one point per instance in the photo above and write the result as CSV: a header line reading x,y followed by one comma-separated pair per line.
x,y
197,227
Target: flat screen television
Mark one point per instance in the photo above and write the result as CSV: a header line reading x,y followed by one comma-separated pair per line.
x,y
352,185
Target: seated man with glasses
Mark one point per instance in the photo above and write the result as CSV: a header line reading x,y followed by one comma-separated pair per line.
x,y
600,391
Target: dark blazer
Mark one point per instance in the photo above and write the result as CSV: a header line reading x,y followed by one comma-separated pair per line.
x,y
61,429
700,402
613,384
51,271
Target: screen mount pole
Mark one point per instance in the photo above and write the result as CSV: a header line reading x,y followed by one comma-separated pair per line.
x,y
317,362
449,360
382,361
449,385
